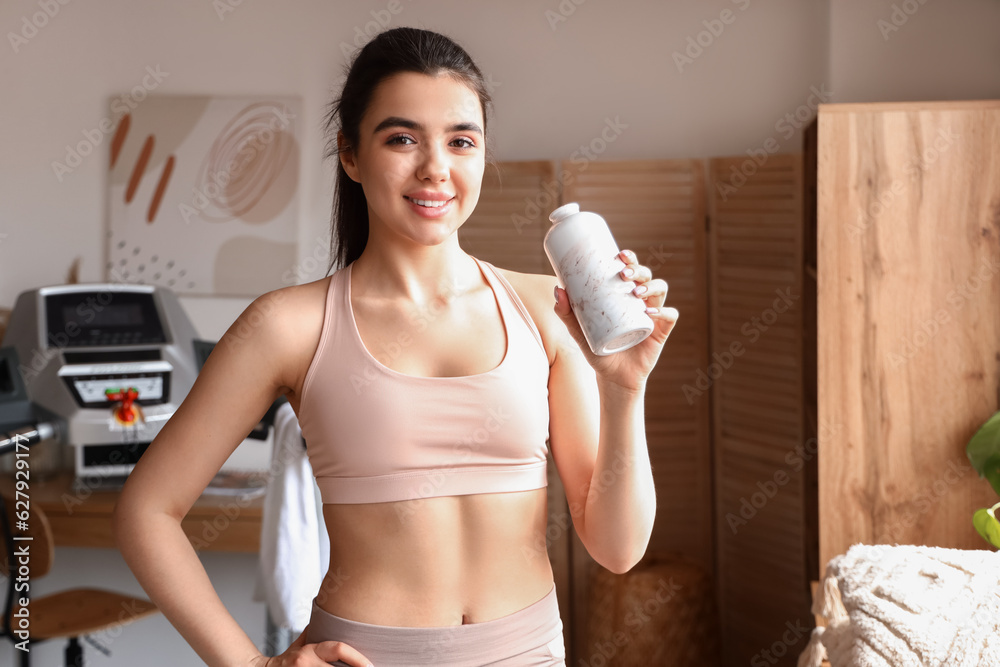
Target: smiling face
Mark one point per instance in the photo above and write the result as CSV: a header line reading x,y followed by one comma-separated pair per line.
x,y
421,156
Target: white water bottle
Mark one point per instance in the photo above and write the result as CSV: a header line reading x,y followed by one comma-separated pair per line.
x,y
584,255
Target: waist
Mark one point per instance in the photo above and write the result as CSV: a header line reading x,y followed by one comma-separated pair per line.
x,y
428,562
516,608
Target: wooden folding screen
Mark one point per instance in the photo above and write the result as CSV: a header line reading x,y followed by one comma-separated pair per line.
x,y
760,435
657,209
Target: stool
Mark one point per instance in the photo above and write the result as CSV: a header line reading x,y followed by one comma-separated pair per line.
x,y
64,615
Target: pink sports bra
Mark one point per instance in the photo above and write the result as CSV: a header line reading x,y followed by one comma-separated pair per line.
x,y
376,435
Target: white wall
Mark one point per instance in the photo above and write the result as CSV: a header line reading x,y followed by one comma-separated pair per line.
x,y
913,50
557,83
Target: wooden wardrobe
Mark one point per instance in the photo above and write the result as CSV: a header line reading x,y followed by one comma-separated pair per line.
x,y
909,319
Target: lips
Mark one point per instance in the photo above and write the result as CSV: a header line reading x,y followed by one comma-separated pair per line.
x,y
430,205
429,199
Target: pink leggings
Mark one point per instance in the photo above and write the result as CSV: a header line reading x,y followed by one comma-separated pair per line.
x,y
531,637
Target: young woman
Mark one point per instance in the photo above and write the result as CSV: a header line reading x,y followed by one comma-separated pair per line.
x,y
428,385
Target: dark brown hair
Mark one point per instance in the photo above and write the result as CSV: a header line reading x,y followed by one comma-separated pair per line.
x,y
389,53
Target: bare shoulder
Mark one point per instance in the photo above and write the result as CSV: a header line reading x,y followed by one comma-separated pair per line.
x,y
536,292
284,326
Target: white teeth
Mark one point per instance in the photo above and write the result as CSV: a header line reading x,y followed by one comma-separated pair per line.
x,y
432,204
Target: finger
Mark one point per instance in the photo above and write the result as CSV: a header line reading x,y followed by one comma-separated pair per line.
x,y
331,651
636,273
654,293
664,321
631,261
628,257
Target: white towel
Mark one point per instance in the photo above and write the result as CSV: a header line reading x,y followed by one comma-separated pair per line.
x,y
902,606
294,547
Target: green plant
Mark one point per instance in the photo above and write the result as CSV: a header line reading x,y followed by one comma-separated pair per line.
x,y
984,454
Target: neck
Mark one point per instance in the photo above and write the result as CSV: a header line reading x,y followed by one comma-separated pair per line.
x,y
419,274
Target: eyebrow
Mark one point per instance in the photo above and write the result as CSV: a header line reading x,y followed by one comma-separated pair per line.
x,y
396,121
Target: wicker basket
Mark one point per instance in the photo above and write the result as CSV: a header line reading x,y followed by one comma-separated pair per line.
x,y
662,612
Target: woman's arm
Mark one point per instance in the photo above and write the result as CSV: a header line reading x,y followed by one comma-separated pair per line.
x,y
597,423
248,369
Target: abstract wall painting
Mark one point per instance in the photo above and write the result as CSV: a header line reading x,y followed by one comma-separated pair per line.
x,y
203,194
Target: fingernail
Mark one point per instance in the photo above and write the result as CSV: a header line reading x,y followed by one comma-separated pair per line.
x,y
555,292
650,311
628,273
641,289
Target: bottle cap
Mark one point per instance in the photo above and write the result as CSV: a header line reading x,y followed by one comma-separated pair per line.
x,y
564,212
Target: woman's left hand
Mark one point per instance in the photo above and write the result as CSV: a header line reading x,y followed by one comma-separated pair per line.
x,y
628,368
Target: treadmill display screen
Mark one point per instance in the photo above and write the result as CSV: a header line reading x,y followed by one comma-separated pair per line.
x,y
102,318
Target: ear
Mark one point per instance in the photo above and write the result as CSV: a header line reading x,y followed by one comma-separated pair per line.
x,y
348,159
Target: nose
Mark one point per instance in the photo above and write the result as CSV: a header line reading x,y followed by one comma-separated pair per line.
x,y
435,163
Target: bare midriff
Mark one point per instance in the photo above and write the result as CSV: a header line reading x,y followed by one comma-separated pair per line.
x,y
437,561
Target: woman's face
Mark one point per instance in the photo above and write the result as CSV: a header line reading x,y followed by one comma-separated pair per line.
x,y
420,157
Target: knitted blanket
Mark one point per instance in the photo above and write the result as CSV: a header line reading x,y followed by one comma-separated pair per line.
x,y
903,606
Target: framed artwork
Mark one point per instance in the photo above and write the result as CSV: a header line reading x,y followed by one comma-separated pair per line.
x,y
203,193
